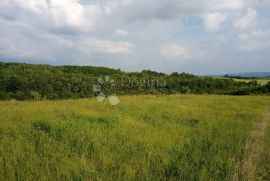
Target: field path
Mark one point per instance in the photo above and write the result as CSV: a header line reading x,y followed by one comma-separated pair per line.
x,y
246,168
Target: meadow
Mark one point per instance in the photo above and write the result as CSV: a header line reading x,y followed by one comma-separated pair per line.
x,y
261,81
164,137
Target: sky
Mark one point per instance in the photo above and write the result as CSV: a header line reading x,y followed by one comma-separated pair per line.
x,y
195,36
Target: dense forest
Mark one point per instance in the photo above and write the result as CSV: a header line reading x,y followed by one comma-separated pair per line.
x,y
34,82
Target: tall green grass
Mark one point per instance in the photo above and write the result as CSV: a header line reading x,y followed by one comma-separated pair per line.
x,y
263,170
177,137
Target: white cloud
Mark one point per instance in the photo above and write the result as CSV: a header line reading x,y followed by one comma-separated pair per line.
x,y
11,50
120,32
255,40
174,51
266,2
212,21
87,31
70,13
225,4
160,9
112,5
247,20
259,35
91,45
20,46
53,13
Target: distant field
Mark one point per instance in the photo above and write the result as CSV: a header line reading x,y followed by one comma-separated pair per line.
x,y
177,137
260,81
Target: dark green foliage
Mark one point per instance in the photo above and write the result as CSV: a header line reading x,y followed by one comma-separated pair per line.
x,y
42,126
266,88
34,82
193,122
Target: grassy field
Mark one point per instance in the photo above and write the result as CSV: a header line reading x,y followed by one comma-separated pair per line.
x,y
263,170
262,81
177,137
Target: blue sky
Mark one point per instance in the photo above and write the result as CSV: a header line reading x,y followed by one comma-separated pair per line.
x,y
201,37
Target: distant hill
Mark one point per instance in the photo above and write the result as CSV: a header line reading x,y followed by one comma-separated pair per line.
x,y
34,82
246,75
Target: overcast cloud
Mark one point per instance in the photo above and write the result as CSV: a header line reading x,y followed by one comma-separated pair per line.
x,y
201,37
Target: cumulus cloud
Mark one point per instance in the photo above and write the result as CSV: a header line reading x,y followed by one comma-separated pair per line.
x,y
266,2
19,40
226,5
212,21
93,44
255,40
120,32
52,13
140,9
175,51
246,20
135,32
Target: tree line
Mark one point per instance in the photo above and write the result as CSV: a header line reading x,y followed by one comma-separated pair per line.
x,y
34,82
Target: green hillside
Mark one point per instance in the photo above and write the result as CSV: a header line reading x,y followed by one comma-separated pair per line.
x,y
34,82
